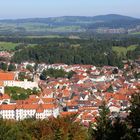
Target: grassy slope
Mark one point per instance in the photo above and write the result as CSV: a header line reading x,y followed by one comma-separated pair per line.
x,y
123,50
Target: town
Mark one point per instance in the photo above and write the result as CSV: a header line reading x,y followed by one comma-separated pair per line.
x,y
80,93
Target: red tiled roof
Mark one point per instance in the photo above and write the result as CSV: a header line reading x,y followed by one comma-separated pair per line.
x,y
68,113
6,76
7,107
40,109
30,106
48,106
4,96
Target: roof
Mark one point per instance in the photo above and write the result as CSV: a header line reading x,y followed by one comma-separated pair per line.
x,y
38,107
64,114
1,83
7,76
7,107
4,96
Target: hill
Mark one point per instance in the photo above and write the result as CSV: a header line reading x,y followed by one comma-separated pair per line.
x,y
68,24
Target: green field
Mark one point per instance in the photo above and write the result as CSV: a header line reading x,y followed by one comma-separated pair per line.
x,y
123,50
10,46
136,33
46,36
7,46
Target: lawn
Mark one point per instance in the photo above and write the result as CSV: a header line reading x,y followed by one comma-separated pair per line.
x,y
123,50
17,93
7,46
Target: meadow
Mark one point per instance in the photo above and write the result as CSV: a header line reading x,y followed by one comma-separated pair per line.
x,y
120,50
8,46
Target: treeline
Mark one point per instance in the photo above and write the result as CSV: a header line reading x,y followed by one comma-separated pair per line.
x,y
66,128
92,54
51,129
114,39
40,40
6,67
96,52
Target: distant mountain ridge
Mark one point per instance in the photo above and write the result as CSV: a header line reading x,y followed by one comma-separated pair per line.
x,y
66,24
108,17
113,17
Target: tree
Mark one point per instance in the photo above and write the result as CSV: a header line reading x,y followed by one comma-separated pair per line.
x,y
110,89
35,91
70,74
119,130
43,75
3,66
16,134
103,126
58,134
35,67
115,71
137,75
134,115
30,68
22,76
11,67
90,132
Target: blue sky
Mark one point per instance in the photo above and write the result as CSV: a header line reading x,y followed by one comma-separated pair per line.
x,y
51,8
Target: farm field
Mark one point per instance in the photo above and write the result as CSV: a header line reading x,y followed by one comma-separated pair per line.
x,y
136,33
46,36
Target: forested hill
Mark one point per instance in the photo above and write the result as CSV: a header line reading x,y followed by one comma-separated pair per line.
x,y
69,24
69,54
79,51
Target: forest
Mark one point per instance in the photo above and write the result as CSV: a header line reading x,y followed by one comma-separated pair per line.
x,y
95,51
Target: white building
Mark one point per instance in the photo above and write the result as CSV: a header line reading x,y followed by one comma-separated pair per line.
x,y
23,84
9,79
20,112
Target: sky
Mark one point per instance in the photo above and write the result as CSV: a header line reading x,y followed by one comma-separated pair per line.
x,y
14,9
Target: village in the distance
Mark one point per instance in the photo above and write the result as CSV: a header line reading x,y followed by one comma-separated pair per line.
x,y
80,90
69,70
